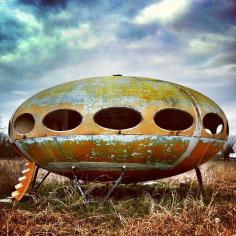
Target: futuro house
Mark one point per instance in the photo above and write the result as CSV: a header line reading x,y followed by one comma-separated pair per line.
x,y
94,128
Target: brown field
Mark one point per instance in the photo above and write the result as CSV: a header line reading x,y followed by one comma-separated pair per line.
x,y
163,208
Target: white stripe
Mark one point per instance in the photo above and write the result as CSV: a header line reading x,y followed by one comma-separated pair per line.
x,y
195,139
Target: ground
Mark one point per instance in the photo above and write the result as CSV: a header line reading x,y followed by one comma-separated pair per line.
x,y
171,206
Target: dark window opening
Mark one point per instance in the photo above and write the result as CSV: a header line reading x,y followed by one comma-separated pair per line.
x,y
118,118
212,123
24,123
62,120
173,119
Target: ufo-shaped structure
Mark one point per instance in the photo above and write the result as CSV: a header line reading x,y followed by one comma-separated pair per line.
x,y
95,128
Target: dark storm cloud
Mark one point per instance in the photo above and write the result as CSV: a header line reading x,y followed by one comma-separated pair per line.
x,y
43,43
209,27
230,11
200,34
212,22
28,45
48,4
208,16
93,9
11,31
37,36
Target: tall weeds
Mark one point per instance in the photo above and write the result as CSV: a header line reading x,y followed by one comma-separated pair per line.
x,y
163,208
10,171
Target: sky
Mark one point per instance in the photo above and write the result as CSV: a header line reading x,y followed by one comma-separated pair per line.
x,y
47,42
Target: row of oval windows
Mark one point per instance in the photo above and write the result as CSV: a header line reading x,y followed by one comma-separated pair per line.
x,y
119,118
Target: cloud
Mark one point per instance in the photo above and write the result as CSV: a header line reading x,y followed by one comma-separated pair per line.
x,y
211,16
164,11
31,46
44,43
220,48
39,41
83,37
45,4
222,61
205,43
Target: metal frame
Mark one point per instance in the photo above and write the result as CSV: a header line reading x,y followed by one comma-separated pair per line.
x,y
83,194
200,182
78,186
116,183
35,187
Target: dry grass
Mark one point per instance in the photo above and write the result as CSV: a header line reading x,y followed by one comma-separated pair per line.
x,y
10,171
163,208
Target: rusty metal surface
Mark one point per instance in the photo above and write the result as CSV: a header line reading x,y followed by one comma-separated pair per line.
x,y
137,152
146,148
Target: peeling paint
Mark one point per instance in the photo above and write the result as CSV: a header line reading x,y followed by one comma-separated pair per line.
x,y
169,151
146,147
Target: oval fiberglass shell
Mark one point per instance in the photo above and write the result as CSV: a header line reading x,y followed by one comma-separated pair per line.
x,y
98,125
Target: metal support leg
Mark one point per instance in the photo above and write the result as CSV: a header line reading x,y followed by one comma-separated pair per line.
x,y
116,183
44,178
199,178
34,178
77,183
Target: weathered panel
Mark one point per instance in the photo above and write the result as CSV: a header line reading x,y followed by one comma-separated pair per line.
x,y
147,150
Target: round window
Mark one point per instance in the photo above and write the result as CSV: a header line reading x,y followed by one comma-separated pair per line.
x,y
118,118
173,119
24,123
213,123
62,120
